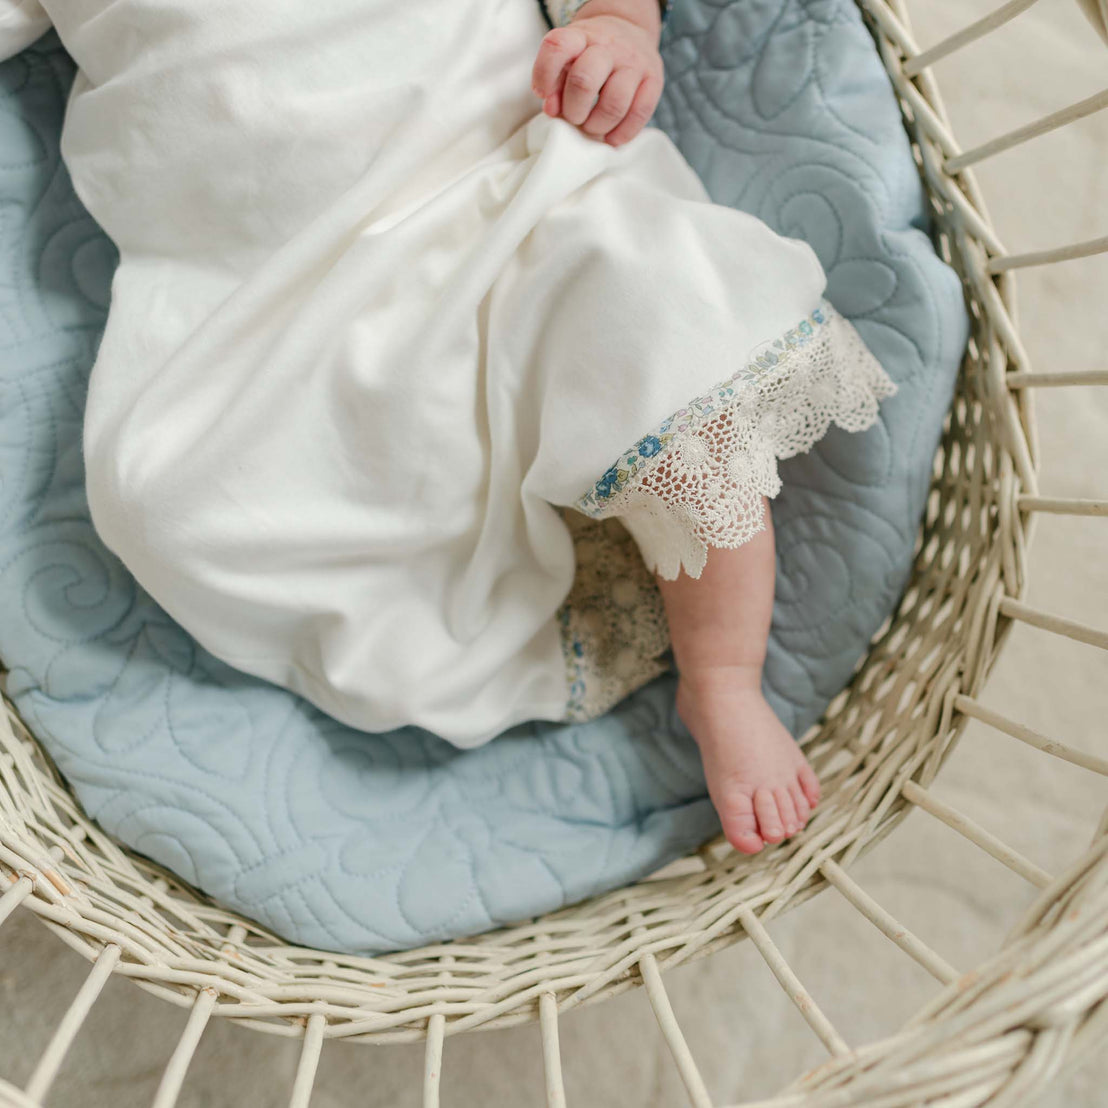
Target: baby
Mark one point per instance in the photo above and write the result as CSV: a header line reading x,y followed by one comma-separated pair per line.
x,y
382,332
603,73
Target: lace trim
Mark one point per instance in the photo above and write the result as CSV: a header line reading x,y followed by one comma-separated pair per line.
x,y
698,480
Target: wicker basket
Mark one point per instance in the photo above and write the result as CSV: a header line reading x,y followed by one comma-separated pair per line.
x,y
995,1035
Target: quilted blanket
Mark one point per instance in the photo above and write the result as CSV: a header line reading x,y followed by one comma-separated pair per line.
x,y
367,843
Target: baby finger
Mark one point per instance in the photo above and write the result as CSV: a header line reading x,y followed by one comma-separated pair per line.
x,y
583,83
558,48
638,115
615,99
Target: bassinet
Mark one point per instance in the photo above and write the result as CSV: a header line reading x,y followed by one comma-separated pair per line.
x,y
995,1035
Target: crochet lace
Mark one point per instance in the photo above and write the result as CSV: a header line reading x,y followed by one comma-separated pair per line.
x,y
699,479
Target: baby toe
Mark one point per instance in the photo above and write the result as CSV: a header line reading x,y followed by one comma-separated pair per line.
x,y
769,818
800,803
809,783
787,809
740,824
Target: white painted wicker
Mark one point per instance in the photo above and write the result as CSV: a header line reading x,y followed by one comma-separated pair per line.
x,y
994,1035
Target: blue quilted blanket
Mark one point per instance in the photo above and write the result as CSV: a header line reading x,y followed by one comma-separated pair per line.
x,y
367,843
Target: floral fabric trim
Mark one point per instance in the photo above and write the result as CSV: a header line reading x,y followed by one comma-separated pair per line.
x,y
616,477
613,623
574,652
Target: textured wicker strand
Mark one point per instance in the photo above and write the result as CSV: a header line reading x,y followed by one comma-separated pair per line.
x,y
11,1097
937,129
1018,731
309,1061
174,1077
887,924
671,1031
1101,827
72,1021
894,26
1049,257
14,895
966,827
1079,632
788,980
1063,505
1041,1062
1069,378
432,1060
1096,11
969,34
551,1051
1020,135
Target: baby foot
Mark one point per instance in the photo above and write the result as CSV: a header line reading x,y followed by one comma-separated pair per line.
x,y
760,783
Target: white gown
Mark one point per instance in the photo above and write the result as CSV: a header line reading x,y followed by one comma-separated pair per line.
x,y
377,320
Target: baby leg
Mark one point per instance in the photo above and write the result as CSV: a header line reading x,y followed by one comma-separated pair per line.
x,y
758,779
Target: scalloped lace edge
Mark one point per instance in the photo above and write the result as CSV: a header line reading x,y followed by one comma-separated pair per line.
x,y
699,479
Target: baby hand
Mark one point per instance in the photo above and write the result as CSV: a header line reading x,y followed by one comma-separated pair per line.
x,y
603,71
